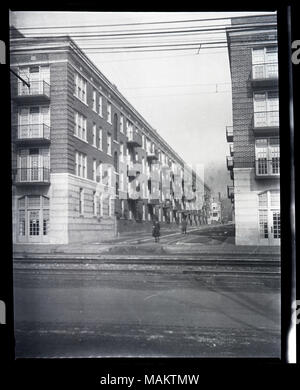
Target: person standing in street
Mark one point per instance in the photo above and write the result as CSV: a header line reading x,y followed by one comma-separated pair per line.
x,y
156,230
184,225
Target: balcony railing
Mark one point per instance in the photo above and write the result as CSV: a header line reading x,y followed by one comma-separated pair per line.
x,y
38,131
37,89
32,175
267,167
134,139
229,133
229,160
265,120
152,154
265,71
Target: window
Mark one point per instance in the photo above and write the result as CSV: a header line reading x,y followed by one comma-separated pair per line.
x,y
100,105
109,206
100,140
33,216
109,144
33,165
94,100
80,88
267,156
34,122
38,77
94,169
81,201
80,164
121,123
100,205
269,215
94,135
80,126
143,141
122,152
109,112
115,127
99,178
94,203
265,62
266,109
122,208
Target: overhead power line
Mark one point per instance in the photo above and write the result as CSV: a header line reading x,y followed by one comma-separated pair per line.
x,y
241,27
136,23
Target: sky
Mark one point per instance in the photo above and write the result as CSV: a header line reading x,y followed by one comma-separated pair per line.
x,y
184,94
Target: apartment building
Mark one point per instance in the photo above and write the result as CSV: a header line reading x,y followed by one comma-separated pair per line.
x,y
254,158
86,165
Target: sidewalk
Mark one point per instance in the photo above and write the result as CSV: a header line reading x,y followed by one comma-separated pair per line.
x,y
152,249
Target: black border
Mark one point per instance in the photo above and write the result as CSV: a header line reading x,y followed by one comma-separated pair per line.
x,y
88,371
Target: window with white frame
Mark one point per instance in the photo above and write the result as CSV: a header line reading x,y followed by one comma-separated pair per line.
x,y
266,109
94,100
34,122
80,164
39,78
94,135
80,126
94,169
265,62
121,152
100,136
94,203
99,173
109,112
33,215
81,201
122,123
267,156
101,205
80,87
109,144
100,105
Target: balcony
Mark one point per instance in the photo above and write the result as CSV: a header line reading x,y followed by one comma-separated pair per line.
x,y
37,175
152,155
267,169
264,75
153,202
33,134
231,149
134,139
39,91
230,192
229,160
133,170
229,133
266,122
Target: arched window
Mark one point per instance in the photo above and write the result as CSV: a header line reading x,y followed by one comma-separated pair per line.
x,y
116,127
116,163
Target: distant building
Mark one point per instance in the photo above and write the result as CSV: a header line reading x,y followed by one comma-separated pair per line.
x,y
254,160
215,212
85,163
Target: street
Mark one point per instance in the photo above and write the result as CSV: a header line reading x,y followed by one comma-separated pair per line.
x,y
167,304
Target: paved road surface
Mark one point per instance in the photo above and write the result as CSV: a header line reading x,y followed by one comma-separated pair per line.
x,y
63,313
